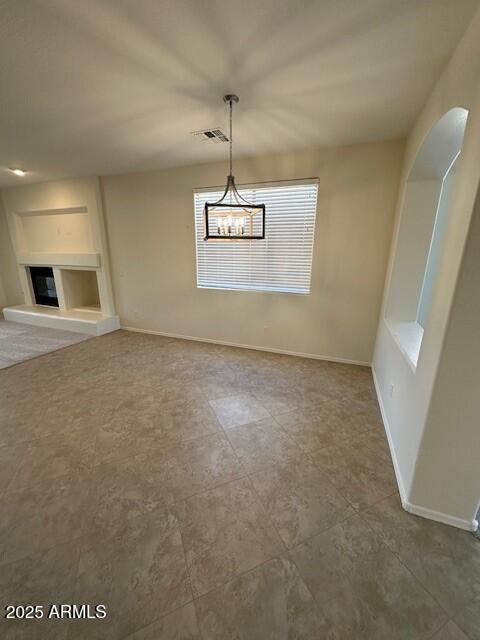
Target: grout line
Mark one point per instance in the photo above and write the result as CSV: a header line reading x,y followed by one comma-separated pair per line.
x,y
283,555
286,552
363,515
207,490
324,473
184,554
161,617
277,556
197,620
442,626
304,540
267,515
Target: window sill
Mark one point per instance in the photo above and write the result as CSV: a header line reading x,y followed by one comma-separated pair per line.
x,y
253,290
408,336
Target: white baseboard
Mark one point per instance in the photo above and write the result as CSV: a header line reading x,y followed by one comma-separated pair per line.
x,y
444,518
430,514
299,354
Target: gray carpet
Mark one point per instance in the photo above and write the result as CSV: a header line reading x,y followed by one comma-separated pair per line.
x,y
19,342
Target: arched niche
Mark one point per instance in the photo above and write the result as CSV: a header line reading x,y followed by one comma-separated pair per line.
x,y
426,208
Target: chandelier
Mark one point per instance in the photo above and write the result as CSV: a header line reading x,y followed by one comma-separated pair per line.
x,y
232,217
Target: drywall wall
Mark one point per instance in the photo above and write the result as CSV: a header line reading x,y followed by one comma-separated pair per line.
x,y
447,476
67,233
150,228
435,248
405,392
3,297
10,289
418,217
150,222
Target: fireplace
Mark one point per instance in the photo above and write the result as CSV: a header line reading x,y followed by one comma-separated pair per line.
x,y
43,284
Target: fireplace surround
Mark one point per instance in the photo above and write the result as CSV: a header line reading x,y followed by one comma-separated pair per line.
x,y
58,235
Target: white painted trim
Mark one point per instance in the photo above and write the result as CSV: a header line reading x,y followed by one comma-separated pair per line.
x,y
438,516
298,354
57,276
386,426
52,212
408,337
430,514
108,324
91,260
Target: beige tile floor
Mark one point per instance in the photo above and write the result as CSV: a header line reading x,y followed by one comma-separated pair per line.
x,y
208,493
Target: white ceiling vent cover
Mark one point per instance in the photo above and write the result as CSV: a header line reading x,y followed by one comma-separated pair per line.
x,y
213,135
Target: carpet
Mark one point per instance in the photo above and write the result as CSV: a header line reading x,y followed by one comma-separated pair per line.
x,y
19,342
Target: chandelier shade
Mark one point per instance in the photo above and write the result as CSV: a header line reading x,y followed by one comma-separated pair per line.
x,y
232,217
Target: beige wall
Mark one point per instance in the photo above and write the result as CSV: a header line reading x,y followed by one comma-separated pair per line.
x,y
405,394
3,297
449,454
10,289
418,219
150,225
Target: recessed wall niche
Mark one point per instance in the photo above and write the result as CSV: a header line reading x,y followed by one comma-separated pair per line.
x,y
80,289
62,231
426,209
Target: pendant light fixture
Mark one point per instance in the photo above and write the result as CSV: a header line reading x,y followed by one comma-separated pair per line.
x,y
232,217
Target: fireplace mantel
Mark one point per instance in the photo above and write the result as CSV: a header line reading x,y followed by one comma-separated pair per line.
x,y
60,259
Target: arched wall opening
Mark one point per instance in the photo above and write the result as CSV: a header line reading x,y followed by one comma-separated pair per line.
x,y
426,209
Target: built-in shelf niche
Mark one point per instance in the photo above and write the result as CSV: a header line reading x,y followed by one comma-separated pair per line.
x,y
63,230
80,289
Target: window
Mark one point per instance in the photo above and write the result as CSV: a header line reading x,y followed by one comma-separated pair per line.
x,y
282,262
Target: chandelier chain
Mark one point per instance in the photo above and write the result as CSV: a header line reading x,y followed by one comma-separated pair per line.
x,y
232,217
231,137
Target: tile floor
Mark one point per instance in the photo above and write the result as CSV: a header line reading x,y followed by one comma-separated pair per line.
x,y
203,492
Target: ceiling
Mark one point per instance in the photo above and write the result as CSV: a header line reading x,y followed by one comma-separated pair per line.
x,y
94,87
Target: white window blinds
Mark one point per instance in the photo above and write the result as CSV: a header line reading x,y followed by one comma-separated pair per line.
x,y
282,262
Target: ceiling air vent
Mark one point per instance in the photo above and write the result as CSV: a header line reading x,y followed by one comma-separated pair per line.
x,y
214,135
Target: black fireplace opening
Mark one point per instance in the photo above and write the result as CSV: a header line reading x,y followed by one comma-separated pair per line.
x,y
43,284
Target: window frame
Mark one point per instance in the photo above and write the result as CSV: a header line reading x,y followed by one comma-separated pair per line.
x,y
199,237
